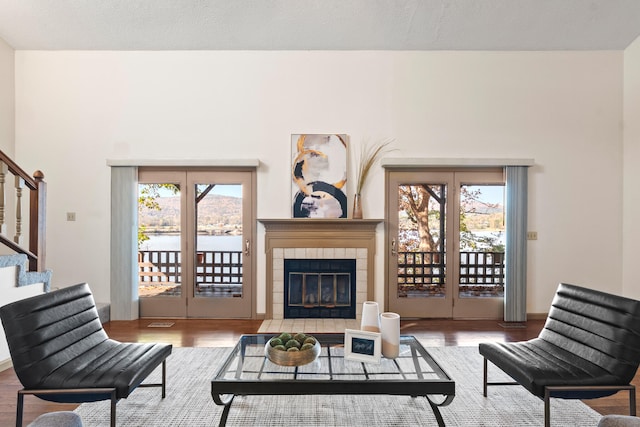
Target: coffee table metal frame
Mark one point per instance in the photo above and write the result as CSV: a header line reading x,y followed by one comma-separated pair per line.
x,y
247,371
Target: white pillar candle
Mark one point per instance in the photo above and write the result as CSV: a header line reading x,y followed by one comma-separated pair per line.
x,y
390,328
370,317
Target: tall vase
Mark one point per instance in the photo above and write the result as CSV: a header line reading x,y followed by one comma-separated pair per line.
x,y
357,207
370,317
390,329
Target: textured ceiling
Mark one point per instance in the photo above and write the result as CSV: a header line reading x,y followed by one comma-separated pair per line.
x,y
319,24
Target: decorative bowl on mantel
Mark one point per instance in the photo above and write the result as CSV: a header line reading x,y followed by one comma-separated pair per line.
x,y
279,349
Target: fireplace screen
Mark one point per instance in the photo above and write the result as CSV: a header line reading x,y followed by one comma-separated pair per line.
x,y
314,290
320,288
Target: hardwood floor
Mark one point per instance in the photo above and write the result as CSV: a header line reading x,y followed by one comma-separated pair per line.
x,y
225,333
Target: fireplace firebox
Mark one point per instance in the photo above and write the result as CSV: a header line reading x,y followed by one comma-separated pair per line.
x,y
320,288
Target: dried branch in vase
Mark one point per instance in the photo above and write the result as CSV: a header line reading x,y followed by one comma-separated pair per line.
x,y
368,157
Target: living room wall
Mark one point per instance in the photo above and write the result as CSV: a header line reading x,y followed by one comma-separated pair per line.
x,y
7,137
8,275
75,110
7,98
631,195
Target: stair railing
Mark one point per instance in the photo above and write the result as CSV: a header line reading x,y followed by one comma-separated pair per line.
x,y
37,188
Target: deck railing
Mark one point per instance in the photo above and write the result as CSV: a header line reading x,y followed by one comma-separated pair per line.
x,y
213,268
480,273
37,193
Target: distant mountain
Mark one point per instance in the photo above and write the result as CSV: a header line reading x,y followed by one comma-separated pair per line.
x,y
483,208
213,211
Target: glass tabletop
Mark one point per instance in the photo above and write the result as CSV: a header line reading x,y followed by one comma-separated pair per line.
x,y
247,371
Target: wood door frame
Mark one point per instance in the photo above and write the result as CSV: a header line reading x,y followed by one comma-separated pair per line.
x,y
199,306
452,227
443,307
250,261
474,308
167,306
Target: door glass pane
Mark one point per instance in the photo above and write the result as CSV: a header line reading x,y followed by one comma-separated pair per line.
x,y
420,244
218,264
159,262
482,241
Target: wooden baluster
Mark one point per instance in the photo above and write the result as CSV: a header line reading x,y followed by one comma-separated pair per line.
x,y
3,172
37,222
19,187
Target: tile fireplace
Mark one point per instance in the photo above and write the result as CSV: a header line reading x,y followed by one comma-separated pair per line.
x,y
317,243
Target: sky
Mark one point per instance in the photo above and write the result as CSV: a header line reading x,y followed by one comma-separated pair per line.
x,y
491,193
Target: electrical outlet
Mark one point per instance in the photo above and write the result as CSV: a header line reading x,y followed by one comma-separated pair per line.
x,y
532,235
71,216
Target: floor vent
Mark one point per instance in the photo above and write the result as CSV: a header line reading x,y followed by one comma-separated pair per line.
x,y
160,325
513,325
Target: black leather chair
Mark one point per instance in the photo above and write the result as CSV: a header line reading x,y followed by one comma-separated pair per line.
x,y
61,353
589,348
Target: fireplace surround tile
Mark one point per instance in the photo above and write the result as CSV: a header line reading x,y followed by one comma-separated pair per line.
x,y
316,253
312,253
318,238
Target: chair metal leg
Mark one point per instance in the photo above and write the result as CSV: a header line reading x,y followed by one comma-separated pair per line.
x,y
484,383
164,378
558,390
19,409
547,408
113,408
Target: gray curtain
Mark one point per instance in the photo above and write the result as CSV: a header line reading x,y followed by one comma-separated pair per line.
x,y
515,297
124,231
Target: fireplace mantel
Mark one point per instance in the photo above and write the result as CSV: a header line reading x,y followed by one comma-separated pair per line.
x,y
320,225
303,234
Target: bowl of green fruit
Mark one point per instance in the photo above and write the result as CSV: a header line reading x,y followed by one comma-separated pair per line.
x,y
289,349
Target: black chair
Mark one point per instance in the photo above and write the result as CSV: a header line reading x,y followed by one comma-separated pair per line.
x,y
61,353
589,348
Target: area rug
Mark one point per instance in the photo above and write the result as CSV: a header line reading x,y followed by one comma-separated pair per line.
x,y
189,402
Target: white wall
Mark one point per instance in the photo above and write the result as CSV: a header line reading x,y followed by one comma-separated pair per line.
x,y
10,292
7,99
75,110
631,195
7,145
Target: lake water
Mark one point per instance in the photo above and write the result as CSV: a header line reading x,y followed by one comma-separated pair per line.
x,y
171,242
167,242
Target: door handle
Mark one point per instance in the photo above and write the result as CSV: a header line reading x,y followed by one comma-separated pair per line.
x,y
393,247
247,247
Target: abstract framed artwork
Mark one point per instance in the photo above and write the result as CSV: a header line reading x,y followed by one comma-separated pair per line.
x,y
319,175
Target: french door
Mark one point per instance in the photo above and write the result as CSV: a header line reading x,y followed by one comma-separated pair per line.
x,y
195,240
445,248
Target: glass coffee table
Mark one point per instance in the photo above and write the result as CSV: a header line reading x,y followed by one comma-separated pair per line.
x,y
247,371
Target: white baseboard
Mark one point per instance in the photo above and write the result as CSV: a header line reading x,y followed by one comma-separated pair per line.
x,y
5,364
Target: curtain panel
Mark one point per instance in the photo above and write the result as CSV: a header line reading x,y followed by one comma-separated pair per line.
x,y
124,231
515,294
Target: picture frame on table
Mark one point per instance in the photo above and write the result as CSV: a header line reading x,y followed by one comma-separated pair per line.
x,y
362,346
